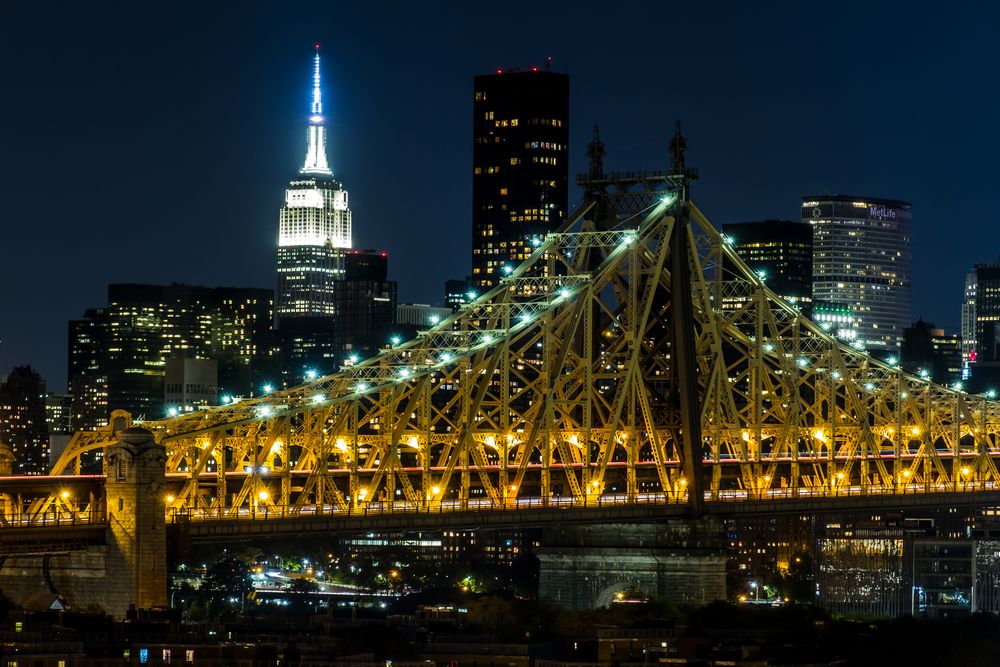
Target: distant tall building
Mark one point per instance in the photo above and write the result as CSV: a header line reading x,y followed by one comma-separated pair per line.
x,y
969,319
520,167
118,354
366,304
987,312
929,351
22,420
314,229
862,258
781,252
456,293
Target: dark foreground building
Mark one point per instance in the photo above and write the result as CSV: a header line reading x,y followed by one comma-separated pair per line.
x,y
23,425
520,167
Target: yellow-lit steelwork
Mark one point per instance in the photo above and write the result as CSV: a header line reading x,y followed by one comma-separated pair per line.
x,y
560,386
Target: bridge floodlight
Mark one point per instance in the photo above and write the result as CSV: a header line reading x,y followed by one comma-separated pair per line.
x,y
172,412
268,388
311,374
434,319
263,470
265,411
471,294
869,386
507,269
263,495
318,398
395,340
892,361
535,242
991,393
361,387
803,362
445,357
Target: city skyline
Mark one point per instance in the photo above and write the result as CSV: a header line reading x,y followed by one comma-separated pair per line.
x,y
764,129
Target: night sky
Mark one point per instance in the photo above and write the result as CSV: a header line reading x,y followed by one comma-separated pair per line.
x,y
145,142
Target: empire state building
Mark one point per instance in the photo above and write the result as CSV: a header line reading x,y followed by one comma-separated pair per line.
x,y
315,227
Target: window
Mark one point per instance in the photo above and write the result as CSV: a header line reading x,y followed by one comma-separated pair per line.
x,y
166,655
143,656
189,655
122,468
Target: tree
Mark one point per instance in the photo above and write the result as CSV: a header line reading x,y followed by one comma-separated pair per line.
x,y
230,576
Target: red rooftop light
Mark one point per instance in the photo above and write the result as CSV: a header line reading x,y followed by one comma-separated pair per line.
x,y
499,71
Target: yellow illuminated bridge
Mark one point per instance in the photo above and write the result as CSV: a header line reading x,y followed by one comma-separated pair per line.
x,y
602,372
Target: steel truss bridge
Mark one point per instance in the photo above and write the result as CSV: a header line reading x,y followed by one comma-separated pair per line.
x,y
633,361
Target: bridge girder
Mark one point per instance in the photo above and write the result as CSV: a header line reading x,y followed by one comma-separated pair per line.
x,y
561,383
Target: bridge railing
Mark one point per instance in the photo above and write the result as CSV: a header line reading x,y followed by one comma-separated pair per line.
x,y
378,508
52,517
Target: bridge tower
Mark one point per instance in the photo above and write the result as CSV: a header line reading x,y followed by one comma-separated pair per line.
x,y
137,558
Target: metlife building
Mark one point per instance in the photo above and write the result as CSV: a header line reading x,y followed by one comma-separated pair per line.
x,y
862,255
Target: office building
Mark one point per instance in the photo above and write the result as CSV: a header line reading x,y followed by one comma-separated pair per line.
x,y
930,352
23,427
420,315
314,227
780,251
969,321
118,353
520,167
457,293
366,304
862,258
836,318
190,384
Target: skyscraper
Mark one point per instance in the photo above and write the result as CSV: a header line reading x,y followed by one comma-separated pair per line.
x,y
23,427
314,228
781,252
520,170
969,321
862,258
118,354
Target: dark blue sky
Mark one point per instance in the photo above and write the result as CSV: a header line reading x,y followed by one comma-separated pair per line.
x,y
152,142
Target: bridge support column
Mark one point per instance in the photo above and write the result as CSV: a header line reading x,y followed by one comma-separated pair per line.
x,y
137,541
680,560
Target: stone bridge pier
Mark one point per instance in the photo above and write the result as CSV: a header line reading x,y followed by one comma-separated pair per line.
x,y
130,568
588,566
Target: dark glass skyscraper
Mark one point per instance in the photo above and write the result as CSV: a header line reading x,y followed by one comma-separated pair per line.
x,y
520,167
781,252
23,425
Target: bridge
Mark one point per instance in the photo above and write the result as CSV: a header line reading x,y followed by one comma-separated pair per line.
x,y
632,366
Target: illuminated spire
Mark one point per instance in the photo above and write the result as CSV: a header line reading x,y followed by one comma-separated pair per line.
x,y
316,139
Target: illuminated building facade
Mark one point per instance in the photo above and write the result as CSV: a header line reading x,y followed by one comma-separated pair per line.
x,y
838,319
520,169
118,354
781,252
23,425
969,319
456,293
862,257
314,230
